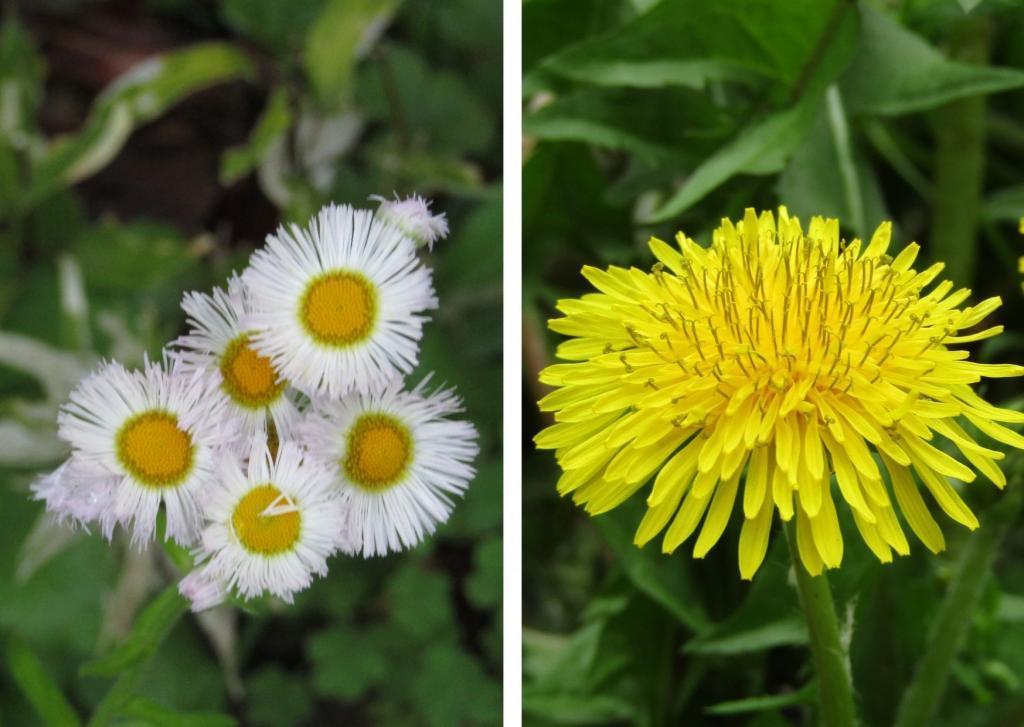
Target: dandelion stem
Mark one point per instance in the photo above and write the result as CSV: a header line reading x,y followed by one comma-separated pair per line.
x,y
921,701
831,662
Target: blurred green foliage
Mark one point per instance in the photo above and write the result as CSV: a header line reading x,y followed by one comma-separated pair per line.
x,y
643,118
286,106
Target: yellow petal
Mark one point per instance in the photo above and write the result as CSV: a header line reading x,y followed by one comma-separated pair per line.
x,y
717,517
685,522
754,539
913,507
657,517
805,545
757,482
828,539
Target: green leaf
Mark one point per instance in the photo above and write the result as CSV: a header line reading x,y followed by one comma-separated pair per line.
x,y
692,42
347,663
344,30
1005,205
156,715
140,95
786,632
148,631
764,147
895,72
809,186
420,600
659,576
400,89
273,123
662,128
806,695
21,74
279,26
39,687
476,700
483,587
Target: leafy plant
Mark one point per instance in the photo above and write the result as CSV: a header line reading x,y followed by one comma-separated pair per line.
x,y
284,109
644,118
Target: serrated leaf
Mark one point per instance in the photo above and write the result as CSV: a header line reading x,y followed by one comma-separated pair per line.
x,y
785,632
894,71
768,702
148,631
38,686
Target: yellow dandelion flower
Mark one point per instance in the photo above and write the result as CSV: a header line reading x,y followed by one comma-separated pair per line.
x,y
763,369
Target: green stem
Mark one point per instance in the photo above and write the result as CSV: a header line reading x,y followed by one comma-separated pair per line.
x,y
921,701
960,162
831,662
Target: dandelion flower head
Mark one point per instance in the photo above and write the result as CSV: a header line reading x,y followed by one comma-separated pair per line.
x,y
765,368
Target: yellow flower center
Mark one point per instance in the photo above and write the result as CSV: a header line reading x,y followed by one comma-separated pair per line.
x,y
249,378
379,451
340,308
264,521
154,449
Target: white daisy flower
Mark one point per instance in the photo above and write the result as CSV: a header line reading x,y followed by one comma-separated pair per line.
x,y
338,307
155,433
78,494
270,528
220,344
413,217
397,458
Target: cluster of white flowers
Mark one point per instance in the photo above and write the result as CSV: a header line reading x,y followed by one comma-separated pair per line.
x,y
278,431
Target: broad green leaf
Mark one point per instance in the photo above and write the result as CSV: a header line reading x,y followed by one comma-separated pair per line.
x,y
273,123
762,148
140,95
38,686
148,631
344,31
692,42
895,72
661,578
810,184
806,695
